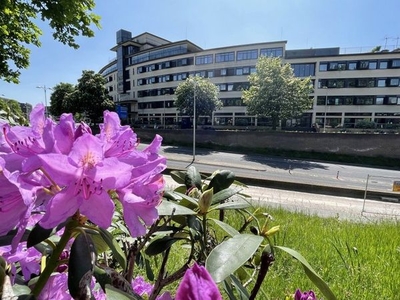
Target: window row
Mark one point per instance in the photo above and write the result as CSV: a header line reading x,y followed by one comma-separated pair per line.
x,y
156,92
303,70
165,65
359,82
157,54
240,55
358,100
359,65
229,87
206,74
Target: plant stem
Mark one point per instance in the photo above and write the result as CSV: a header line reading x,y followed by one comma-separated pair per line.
x,y
205,232
53,260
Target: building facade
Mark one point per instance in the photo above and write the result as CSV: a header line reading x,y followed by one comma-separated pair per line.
x,y
348,88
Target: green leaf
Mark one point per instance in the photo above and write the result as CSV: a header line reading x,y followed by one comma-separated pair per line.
x,y
160,245
315,278
244,294
192,178
37,235
81,263
227,228
222,180
228,256
99,243
114,246
116,294
232,205
178,176
224,194
167,207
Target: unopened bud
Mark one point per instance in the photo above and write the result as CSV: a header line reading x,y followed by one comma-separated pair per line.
x,y
205,201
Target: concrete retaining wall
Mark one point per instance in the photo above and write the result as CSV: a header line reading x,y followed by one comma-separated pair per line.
x,y
372,145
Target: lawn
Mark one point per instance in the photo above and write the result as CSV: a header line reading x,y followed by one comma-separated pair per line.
x,y
357,260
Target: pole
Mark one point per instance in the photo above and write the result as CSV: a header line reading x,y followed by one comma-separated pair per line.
x,y
326,103
194,121
45,97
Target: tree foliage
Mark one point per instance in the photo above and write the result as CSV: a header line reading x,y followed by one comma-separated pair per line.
x,y
68,19
10,111
59,98
89,98
275,92
206,94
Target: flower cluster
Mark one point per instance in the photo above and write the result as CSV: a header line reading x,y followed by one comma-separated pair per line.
x,y
54,170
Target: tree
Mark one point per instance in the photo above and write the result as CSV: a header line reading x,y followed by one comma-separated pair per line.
x,y
206,94
60,98
91,97
10,111
275,92
68,19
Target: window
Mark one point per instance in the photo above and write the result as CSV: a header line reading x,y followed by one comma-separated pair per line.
x,y
373,65
392,100
303,70
333,66
394,82
383,65
379,100
204,59
341,66
351,83
223,72
396,63
223,57
362,82
222,87
247,54
381,82
239,71
352,65
246,70
323,67
210,74
272,52
230,87
253,70
363,65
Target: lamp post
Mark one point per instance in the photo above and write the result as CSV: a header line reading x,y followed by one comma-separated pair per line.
x,y
194,121
326,103
45,97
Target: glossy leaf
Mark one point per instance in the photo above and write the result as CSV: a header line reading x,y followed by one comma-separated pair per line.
x,y
192,178
114,246
244,294
167,207
160,245
225,194
178,176
81,263
233,205
315,278
228,256
99,243
222,180
226,227
38,234
116,294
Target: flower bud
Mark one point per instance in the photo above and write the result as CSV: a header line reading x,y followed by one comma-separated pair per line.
x,y
205,201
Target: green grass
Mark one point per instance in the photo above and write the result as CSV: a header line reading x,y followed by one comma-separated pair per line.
x,y
357,260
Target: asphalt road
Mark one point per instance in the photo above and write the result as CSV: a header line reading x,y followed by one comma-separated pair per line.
x,y
277,169
293,174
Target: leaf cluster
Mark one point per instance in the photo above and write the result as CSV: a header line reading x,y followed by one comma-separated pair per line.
x,y
201,90
275,92
18,30
88,98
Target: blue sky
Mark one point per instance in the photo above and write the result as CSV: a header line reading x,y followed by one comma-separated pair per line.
x,y
351,24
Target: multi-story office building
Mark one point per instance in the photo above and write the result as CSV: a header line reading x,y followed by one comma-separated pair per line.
x,y
347,87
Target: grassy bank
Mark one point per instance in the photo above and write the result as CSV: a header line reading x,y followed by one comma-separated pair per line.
x,y
357,260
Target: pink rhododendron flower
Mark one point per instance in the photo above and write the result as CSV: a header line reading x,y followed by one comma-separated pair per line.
x,y
197,284
141,287
299,295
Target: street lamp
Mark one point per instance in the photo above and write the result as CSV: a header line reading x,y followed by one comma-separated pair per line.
x,y
45,97
194,121
326,103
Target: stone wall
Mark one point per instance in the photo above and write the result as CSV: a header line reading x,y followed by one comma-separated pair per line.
x,y
372,145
